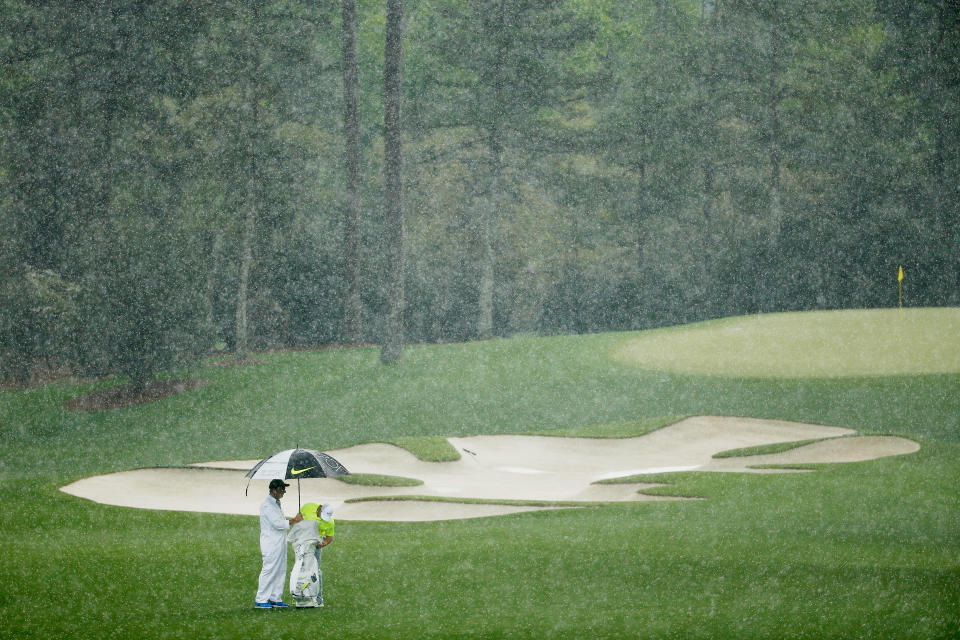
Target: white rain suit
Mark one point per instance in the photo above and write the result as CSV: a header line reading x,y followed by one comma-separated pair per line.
x,y
273,546
305,577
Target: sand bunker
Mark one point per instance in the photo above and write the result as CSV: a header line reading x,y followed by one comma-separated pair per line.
x,y
493,468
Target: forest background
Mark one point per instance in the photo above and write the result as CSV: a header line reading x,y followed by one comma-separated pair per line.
x,y
182,176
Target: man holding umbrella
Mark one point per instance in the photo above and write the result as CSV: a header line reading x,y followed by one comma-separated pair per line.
x,y
273,546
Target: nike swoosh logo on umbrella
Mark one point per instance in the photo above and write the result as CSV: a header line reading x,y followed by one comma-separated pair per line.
x,y
299,471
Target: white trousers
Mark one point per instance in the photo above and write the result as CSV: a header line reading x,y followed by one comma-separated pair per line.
x,y
270,585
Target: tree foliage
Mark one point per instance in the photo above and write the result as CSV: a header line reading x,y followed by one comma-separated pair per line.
x,y
172,174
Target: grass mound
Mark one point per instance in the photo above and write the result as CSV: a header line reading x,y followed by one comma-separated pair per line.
x,y
379,480
776,447
428,448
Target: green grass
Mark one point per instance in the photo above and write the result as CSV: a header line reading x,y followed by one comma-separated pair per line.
x,y
865,550
628,429
429,448
498,501
377,480
764,449
827,343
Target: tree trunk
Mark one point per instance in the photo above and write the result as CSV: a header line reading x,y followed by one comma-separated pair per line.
x,y
709,102
490,212
393,182
946,213
241,349
776,206
246,258
707,10
662,8
488,215
215,248
640,217
352,306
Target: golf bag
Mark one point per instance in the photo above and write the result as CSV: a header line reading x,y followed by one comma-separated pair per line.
x,y
305,577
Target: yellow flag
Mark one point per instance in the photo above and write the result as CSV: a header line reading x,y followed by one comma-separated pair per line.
x,y
900,275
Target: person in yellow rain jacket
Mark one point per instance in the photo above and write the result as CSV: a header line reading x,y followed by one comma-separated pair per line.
x,y
308,538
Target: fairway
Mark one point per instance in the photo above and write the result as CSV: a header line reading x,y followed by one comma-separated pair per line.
x,y
828,344
854,532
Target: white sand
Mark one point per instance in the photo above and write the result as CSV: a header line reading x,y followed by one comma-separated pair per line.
x,y
492,468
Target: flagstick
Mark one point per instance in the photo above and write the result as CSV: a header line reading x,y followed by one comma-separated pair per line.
x,y
900,286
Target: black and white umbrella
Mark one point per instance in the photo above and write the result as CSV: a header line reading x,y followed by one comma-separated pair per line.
x,y
297,463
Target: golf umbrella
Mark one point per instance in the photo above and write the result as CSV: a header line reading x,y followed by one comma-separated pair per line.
x,y
297,463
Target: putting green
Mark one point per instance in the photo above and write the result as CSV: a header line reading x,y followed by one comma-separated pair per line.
x,y
808,344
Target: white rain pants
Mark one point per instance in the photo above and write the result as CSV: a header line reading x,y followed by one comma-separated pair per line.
x,y
273,547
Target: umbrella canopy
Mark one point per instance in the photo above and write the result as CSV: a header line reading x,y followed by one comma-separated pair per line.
x,y
297,463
